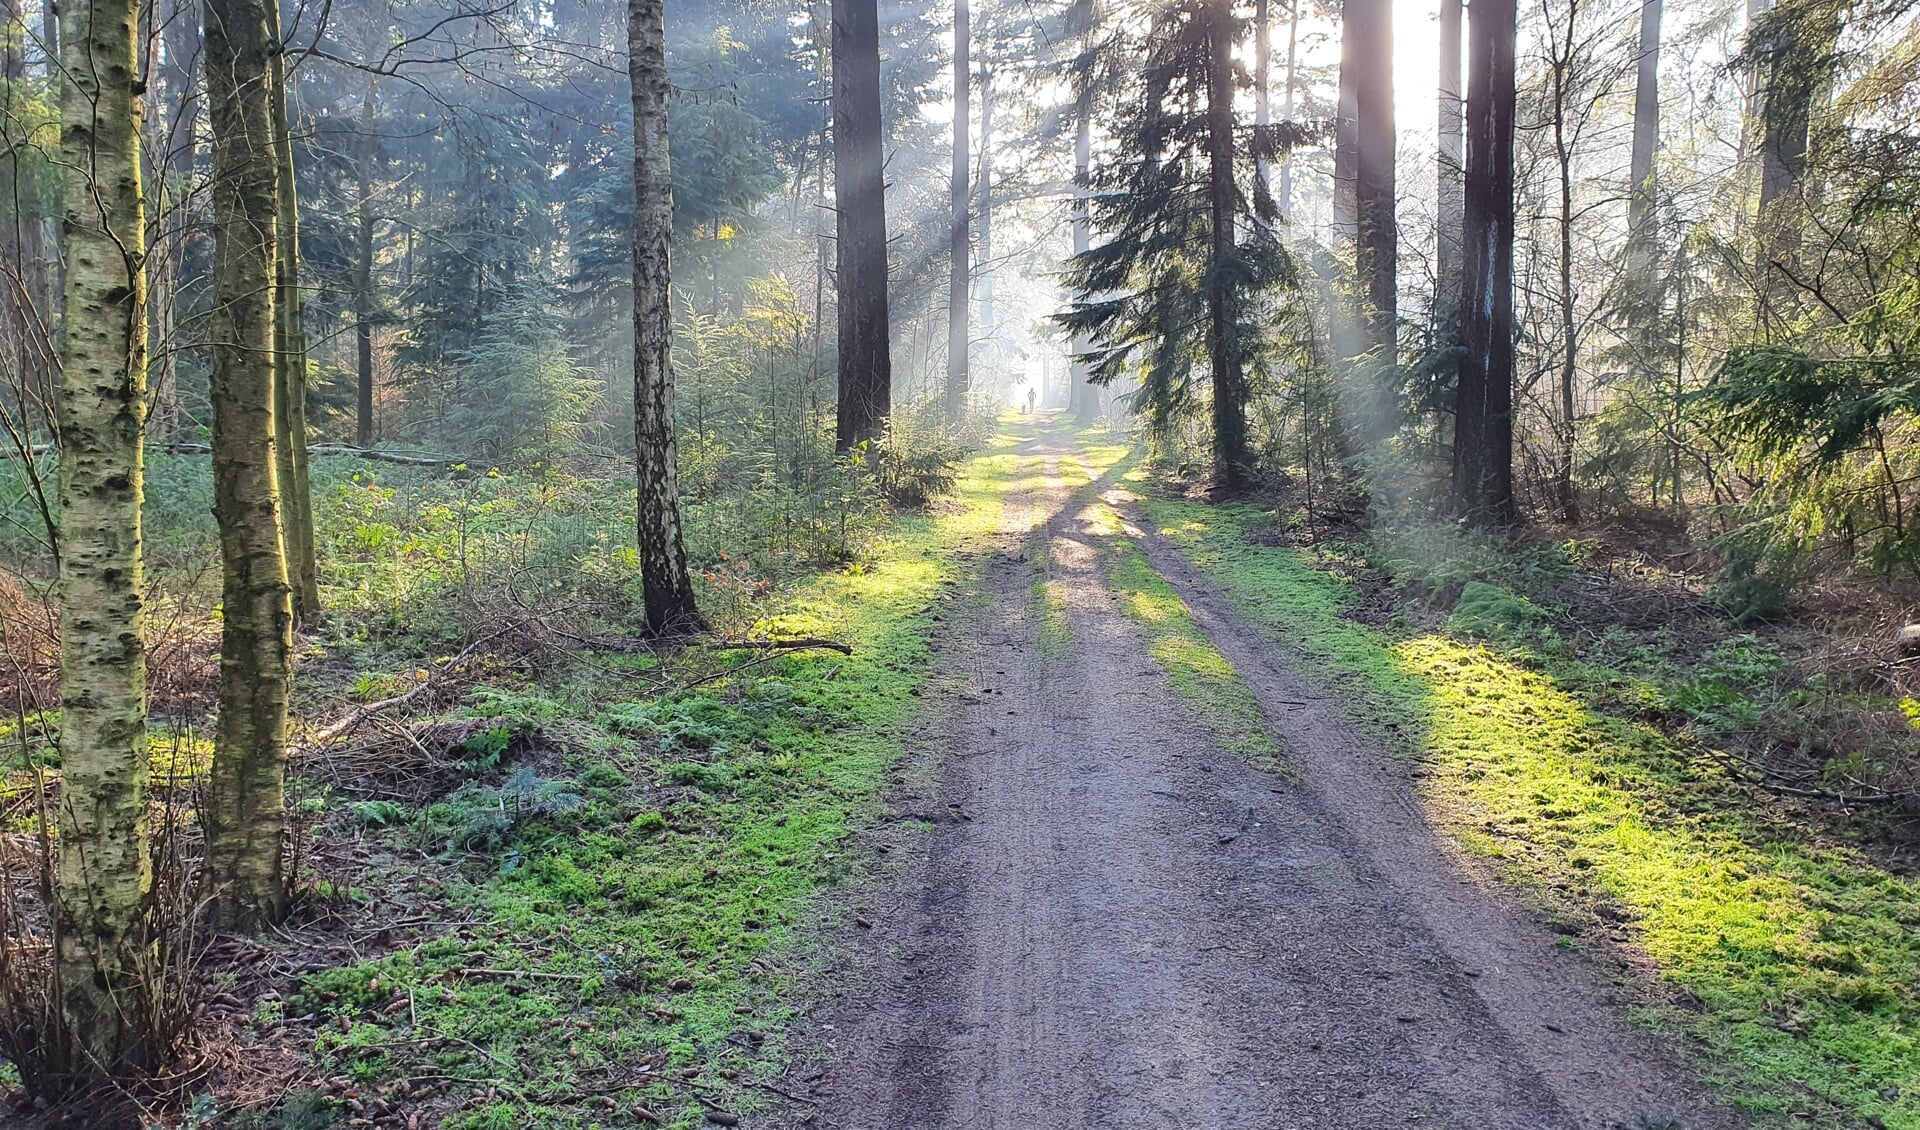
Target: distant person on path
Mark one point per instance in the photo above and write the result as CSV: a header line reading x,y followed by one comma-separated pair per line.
x,y
1030,397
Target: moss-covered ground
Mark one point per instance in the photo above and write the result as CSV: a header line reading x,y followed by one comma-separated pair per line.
x,y
1790,960
624,909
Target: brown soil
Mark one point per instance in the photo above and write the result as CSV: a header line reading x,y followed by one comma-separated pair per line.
x,y
1114,923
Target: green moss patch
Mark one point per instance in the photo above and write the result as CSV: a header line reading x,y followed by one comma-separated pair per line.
x,y
621,922
1795,962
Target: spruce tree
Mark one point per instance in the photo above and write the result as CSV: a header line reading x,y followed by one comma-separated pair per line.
x,y
1168,298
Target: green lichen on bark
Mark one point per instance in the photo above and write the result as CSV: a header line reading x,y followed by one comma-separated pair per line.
x,y
104,883
245,805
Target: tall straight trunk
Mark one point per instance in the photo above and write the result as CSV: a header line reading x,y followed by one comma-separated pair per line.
x,y
1450,212
54,42
1483,416
175,159
363,305
103,942
1796,51
1750,80
960,243
986,197
1346,131
290,366
245,809
1284,204
860,206
1560,69
667,586
1086,405
1223,347
17,315
1377,254
1263,90
1642,239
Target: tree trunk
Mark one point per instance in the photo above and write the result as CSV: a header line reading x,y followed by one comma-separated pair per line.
x,y
290,367
103,943
986,197
960,245
1087,395
1483,420
1223,347
55,232
1561,66
860,205
1377,255
363,305
1284,205
1642,238
1796,49
666,584
1262,92
1451,204
245,808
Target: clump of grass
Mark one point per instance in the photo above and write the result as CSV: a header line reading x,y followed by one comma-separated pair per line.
x,y
1801,957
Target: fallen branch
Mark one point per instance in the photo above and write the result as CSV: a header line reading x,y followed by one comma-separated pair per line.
x,y
781,648
804,643
1797,784
362,714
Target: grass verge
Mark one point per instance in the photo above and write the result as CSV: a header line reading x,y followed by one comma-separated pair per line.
x,y
1794,962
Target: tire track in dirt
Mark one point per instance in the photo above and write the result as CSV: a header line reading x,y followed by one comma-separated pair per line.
x,y
1120,925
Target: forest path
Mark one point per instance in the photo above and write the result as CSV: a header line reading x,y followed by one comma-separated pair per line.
x,y
1117,923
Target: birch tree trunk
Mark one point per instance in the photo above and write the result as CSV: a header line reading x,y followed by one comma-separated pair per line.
x,y
1483,415
960,245
245,806
860,206
103,945
290,365
666,584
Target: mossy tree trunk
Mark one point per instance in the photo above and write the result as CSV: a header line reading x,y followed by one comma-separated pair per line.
x,y
104,884
290,366
668,587
244,809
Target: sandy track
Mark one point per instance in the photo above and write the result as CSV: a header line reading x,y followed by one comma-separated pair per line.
x,y
1119,925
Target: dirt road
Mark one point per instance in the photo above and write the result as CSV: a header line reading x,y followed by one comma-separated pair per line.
x,y
1117,924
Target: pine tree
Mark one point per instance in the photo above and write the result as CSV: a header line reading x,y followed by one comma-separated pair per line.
x,y
1168,298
